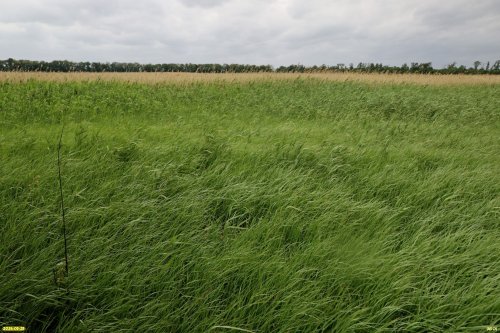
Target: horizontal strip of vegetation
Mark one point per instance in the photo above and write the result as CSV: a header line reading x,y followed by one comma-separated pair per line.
x,y
415,67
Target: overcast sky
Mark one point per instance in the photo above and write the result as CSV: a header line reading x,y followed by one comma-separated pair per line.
x,y
276,32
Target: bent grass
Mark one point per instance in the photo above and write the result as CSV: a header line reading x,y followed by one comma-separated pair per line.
x,y
277,206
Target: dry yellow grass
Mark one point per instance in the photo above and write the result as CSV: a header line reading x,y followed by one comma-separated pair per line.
x,y
180,78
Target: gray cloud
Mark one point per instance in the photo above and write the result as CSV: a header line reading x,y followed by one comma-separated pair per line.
x,y
204,4
261,31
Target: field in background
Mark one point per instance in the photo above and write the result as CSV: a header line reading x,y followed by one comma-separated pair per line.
x,y
278,206
153,78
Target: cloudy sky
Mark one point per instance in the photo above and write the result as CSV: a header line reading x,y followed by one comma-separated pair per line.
x,y
276,32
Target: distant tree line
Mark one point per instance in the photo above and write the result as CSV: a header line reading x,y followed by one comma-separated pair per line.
x,y
415,67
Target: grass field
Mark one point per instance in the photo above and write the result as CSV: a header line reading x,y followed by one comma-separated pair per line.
x,y
187,78
298,205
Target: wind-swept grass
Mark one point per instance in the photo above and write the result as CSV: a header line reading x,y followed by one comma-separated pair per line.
x,y
269,206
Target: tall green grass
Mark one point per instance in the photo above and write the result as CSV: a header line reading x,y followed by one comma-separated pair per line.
x,y
293,206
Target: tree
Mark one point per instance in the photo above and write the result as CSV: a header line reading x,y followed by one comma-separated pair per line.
x,y
496,66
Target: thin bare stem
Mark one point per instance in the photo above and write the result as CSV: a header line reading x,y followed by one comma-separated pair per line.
x,y
62,200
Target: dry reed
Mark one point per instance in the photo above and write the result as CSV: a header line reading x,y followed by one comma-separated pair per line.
x,y
180,78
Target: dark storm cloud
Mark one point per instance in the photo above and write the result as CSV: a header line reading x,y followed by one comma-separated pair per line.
x,y
275,31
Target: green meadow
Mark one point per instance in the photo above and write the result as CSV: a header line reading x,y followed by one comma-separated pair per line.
x,y
268,206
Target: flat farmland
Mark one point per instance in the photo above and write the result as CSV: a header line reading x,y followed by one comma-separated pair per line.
x,y
250,202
